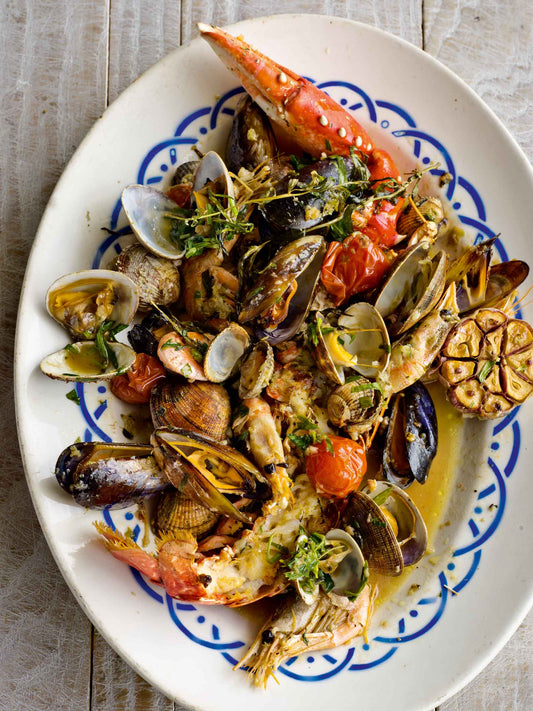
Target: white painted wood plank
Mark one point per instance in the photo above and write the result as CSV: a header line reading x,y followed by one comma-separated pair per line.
x,y
490,46
52,88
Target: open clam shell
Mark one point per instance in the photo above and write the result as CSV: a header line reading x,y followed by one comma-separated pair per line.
x,y
224,352
99,475
257,369
349,575
149,213
386,550
208,471
413,288
82,301
82,362
360,341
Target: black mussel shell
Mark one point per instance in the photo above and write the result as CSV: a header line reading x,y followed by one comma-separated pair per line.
x,y
412,436
99,475
251,140
305,211
142,340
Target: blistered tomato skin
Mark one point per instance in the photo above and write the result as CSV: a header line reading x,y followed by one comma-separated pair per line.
x,y
136,385
337,473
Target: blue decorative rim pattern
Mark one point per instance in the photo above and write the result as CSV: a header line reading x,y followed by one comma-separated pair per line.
x,y
193,622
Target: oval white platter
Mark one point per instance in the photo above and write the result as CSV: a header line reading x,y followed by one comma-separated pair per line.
x,y
478,586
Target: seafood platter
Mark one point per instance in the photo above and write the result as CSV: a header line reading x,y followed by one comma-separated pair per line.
x,y
292,347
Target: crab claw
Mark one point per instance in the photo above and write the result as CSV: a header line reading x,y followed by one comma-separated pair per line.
x,y
312,118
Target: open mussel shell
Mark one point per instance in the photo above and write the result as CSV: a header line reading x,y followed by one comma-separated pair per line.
x,y
283,293
157,278
198,406
82,301
208,471
176,513
224,352
412,437
257,369
99,475
413,288
82,362
387,550
149,213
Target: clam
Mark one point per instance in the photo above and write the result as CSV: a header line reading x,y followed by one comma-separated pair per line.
x,y
198,406
341,562
185,172
257,369
355,406
392,529
157,278
150,214
421,219
413,288
359,341
213,175
100,475
282,296
85,361
487,363
412,436
208,471
176,513
82,301
224,352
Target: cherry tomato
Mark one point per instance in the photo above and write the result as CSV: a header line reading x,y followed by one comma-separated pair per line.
x,y
381,227
353,266
135,385
336,474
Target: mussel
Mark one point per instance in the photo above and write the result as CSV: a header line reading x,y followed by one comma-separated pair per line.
x,y
412,437
157,278
100,475
251,140
480,284
280,300
316,205
392,529
198,406
208,471
83,301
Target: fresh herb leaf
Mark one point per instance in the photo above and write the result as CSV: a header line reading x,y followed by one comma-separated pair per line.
x,y
329,445
73,395
278,553
353,595
486,370
380,498
303,442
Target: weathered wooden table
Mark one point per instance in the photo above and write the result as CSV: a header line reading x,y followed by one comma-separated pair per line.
x,y
63,62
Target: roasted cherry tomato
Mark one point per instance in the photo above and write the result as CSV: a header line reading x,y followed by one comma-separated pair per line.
x,y
336,474
135,385
353,266
381,227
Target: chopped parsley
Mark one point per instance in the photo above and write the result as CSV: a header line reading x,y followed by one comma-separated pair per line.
x,y
73,395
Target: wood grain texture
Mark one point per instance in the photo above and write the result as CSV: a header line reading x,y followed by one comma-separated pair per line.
x,y
62,61
52,88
